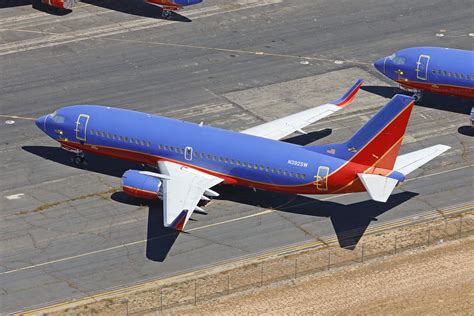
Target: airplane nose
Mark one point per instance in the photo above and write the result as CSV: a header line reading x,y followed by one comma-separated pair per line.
x,y
40,122
379,64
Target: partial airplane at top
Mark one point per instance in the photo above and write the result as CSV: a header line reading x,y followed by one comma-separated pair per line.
x,y
192,158
168,6
435,69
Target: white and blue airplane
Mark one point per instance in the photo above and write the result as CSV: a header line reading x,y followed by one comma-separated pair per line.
x,y
192,158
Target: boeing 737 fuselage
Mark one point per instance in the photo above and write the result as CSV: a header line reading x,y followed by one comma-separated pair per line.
x,y
192,158
435,69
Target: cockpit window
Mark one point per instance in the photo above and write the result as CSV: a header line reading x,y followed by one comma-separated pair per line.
x,y
57,118
391,57
399,60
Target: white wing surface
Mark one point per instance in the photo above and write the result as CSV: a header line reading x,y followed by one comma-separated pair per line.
x,y
182,192
285,126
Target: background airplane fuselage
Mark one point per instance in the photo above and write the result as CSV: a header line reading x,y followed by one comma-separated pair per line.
x,y
237,158
434,69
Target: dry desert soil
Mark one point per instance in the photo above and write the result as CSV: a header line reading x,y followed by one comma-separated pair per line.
x,y
438,280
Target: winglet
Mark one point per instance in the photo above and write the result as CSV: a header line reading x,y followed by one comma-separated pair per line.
x,y
347,98
179,221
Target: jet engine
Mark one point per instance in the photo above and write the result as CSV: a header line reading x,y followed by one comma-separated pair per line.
x,y
61,4
140,185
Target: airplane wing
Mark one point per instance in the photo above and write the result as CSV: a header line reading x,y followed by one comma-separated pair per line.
x,y
182,191
285,126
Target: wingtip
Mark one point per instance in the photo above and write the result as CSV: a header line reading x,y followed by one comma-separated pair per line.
x,y
179,222
349,96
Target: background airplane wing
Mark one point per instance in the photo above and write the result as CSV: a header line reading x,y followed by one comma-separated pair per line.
x,y
285,126
182,192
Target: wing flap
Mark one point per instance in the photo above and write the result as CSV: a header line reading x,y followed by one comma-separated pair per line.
x,y
182,191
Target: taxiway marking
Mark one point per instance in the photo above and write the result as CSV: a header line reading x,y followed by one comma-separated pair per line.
x,y
18,117
195,229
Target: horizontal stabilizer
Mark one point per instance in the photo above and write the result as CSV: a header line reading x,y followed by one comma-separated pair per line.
x,y
378,187
407,163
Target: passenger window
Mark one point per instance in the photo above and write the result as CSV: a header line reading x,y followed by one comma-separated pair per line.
x,y
291,174
214,158
125,138
171,148
439,71
195,154
262,168
433,71
255,167
92,131
461,76
444,72
249,165
267,169
209,156
114,136
285,173
120,138
97,133
237,163
177,150
273,170
143,143
226,160
166,147
220,159
303,176
244,164
202,155
103,134
450,74
455,75
160,146
108,135
279,171
137,142
297,175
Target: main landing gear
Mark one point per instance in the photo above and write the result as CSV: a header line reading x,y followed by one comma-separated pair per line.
x,y
166,14
418,95
79,158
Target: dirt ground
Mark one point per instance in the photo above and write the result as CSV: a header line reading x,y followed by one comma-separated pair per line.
x,y
438,280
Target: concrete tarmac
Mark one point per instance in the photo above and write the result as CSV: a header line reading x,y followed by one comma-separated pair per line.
x,y
66,233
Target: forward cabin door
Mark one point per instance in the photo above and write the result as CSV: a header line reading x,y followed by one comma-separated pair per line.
x,y
422,67
81,127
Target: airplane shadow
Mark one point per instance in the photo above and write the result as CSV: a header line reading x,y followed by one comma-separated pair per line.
x,y
138,8
466,130
349,221
308,138
36,4
132,7
160,239
430,100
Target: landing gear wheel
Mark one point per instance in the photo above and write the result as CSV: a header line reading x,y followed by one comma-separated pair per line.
x,y
418,95
165,14
78,160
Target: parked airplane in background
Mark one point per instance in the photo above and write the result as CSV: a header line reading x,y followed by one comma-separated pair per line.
x,y
435,69
192,158
168,6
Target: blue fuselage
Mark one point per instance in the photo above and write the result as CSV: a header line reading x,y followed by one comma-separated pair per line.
x,y
435,69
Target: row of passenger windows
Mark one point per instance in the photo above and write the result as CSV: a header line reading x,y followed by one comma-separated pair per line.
x,y
201,155
451,74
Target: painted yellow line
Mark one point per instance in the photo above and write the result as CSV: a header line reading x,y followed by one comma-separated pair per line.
x,y
237,51
190,274
18,117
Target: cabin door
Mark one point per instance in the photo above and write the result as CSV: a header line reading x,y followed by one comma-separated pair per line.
x,y
81,127
422,67
188,153
322,178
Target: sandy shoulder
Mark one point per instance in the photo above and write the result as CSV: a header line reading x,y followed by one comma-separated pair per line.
x,y
437,281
